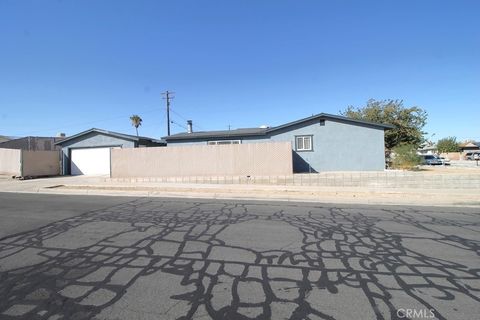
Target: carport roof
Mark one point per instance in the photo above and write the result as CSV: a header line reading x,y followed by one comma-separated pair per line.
x,y
112,134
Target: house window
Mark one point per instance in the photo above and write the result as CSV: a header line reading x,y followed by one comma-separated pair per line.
x,y
220,142
322,122
303,143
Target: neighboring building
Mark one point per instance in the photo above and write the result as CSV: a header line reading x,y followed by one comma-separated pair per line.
x,y
32,143
4,138
469,146
321,142
89,152
427,148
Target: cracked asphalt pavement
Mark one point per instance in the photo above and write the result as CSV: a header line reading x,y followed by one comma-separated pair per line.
x,y
86,257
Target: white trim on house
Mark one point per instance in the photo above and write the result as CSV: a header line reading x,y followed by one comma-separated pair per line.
x,y
304,143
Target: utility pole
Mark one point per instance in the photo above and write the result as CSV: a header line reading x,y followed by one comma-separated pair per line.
x,y
167,96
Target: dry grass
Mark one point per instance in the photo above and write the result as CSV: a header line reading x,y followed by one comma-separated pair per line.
x,y
452,169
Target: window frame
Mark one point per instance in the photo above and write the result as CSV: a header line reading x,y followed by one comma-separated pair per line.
x,y
303,136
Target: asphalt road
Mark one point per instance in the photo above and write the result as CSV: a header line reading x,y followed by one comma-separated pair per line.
x,y
83,257
22,212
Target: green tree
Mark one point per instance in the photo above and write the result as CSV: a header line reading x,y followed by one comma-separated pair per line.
x,y
448,144
405,157
136,122
408,122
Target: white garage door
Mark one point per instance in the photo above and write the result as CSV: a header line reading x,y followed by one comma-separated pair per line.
x,y
91,161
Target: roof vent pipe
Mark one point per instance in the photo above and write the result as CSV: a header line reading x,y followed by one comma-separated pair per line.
x,y
189,126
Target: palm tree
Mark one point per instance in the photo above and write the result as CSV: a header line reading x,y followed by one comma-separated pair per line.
x,y
136,121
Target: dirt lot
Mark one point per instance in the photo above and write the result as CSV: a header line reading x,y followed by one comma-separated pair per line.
x,y
456,167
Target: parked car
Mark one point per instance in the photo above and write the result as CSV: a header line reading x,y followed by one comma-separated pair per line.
x,y
430,160
472,155
445,161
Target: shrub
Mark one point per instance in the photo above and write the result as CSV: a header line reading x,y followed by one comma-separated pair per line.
x,y
405,157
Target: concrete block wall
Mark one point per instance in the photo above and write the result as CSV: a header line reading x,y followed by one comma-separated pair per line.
x,y
368,180
452,155
273,158
392,179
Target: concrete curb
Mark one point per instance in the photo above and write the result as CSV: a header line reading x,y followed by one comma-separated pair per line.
x,y
340,195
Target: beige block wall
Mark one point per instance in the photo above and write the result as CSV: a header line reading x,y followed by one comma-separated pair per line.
x,y
452,155
252,159
10,161
40,163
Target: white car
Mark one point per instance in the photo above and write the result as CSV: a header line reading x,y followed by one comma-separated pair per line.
x,y
472,155
445,161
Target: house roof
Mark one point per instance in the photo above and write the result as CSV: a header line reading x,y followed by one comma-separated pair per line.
x,y
242,132
15,140
32,137
470,145
112,134
4,138
264,131
428,146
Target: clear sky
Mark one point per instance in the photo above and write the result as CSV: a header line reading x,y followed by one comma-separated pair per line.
x,y
67,66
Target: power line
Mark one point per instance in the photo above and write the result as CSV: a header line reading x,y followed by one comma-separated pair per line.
x,y
178,114
73,124
178,124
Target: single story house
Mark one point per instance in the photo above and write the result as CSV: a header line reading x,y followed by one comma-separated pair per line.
x,y
322,142
88,152
427,148
470,146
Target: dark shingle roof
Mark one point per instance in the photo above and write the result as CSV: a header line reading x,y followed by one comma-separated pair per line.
x,y
113,134
334,117
263,131
218,134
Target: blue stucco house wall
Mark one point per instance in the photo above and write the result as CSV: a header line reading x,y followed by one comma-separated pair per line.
x,y
337,143
98,138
